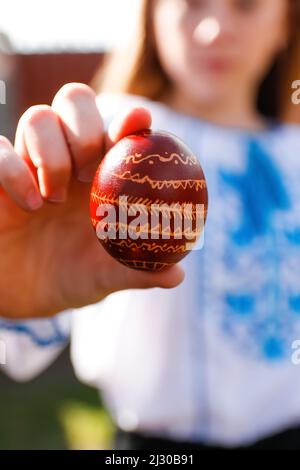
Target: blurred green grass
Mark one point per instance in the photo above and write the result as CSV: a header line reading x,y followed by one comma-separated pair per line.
x,y
54,411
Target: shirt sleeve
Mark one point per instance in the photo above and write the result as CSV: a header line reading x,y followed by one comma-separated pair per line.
x,y
28,347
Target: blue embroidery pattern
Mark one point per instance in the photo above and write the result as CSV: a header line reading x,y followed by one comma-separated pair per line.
x,y
53,338
264,317
261,191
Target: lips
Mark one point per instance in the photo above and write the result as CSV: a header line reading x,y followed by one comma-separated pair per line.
x,y
212,64
217,65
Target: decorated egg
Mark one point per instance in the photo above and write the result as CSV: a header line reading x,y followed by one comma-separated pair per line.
x,y
149,200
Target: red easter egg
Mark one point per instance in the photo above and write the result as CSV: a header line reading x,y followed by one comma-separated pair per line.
x,y
149,200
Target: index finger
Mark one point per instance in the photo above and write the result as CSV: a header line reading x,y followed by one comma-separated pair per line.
x,y
128,122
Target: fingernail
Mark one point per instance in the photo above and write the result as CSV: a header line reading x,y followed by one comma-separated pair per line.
x,y
60,195
34,200
87,173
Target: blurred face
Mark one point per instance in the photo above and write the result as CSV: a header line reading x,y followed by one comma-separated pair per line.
x,y
210,48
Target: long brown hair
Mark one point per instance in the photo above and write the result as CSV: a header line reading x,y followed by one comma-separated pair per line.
x,y
136,69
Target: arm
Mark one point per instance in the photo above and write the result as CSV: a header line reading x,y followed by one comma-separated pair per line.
x,y
51,260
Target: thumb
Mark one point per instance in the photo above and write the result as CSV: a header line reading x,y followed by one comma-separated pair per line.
x,y
167,279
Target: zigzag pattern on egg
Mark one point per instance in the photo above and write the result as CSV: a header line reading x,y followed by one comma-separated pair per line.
x,y
154,185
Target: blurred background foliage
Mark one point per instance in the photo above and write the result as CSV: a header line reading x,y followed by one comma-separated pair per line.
x,y
53,411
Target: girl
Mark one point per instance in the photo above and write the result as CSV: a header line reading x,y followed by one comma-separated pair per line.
x,y
210,363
